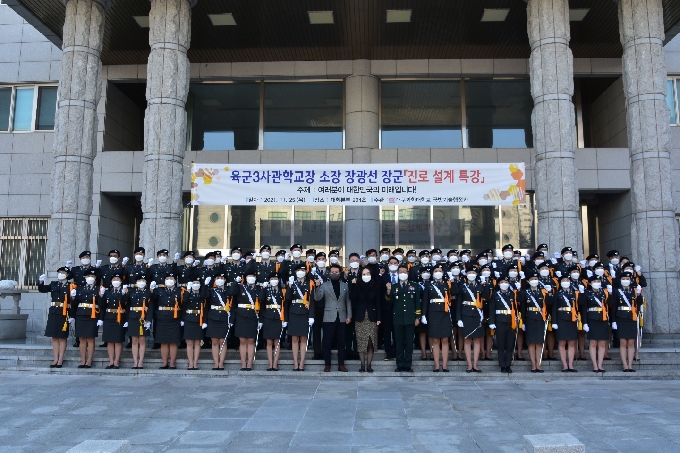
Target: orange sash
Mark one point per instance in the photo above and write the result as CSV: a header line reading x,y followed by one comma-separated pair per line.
x,y
604,305
93,315
573,311
513,310
118,314
283,298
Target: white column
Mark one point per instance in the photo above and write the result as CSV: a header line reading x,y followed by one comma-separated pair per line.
x,y
165,124
553,123
361,135
654,234
75,132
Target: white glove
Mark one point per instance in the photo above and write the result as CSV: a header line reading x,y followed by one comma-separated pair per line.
x,y
207,280
154,285
70,320
493,263
124,290
556,255
100,323
586,328
265,284
176,256
73,293
492,326
614,326
259,325
553,260
311,321
482,279
450,274
69,263
589,273
609,288
238,279
518,285
460,324
497,274
204,326
150,261
638,269
638,289
284,324
581,289
102,291
286,256
126,324
524,327
554,326
181,323
99,263
522,275
584,263
147,324
558,273
125,260
291,279
42,278
423,319
527,257
548,288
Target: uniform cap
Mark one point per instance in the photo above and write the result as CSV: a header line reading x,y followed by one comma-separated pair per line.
x,y
334,252
188,253
320,255
265,247
89,272
117,252
612,253
85,253
508,247
139,250
295,246
162,251
424,252
537,255
236,249
281,252
565,250
310,252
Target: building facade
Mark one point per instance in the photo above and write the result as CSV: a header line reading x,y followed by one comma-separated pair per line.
x,y
105,104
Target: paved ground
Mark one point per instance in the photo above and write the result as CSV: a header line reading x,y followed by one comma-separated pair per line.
x,y
42,413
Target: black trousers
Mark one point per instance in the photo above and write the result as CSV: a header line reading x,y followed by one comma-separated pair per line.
x,y
350,338
403,338
387,325
316,329
505,342
334,331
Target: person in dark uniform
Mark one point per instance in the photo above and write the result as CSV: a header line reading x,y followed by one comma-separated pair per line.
x,y
470,314
194,320
59,313
595,315
317,270
138,269
106,273
187,272
78,275
140,314
454,276
549,284
246,321
535,305
414,273
86,301
157,273
384,258
424,275
436,314
486,276
288,267
405,297
272,316
113,315
625,305
503,320
280,266
167,300
565,311
266,266
298,314
579,289
218,307
386,307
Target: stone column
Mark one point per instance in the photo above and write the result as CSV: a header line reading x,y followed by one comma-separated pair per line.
x,y
165,124
75,132
654,232
361,136
553,124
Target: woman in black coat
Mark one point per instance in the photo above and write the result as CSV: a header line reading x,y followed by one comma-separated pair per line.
x,y
365,296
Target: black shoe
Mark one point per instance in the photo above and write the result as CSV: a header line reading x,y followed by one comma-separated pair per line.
x,y
317,357
521,359
508,370
565,370
469,371
83,366
397,370
476,370
76,344
538,370
103,345
243,369
116,367
165,367
156,346
369,369
607,358
110,367
503,370
435,370
408,370
57,366
572,370
603,370
362,370
53,365
172,368
445,370
631,370
87,366
596,371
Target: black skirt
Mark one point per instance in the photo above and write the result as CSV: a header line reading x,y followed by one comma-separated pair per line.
x,y
55,326
217,329
298,325
535,331
86,327
566,330
598,330
245,327
192,330
626,329
438,324
133,329
167,331
271,329
113,332
470,323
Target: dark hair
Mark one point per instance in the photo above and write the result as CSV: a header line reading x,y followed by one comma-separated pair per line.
x,y
393,258
354,254
335,266
402,266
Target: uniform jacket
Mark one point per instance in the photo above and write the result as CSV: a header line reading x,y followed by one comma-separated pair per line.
x,y
405,303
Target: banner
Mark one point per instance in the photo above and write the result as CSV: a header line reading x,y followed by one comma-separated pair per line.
x,y
358,184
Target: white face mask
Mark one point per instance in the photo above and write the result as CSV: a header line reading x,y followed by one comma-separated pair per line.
x,y
575,275
251,280
533,283
61,276
274,282
455,271
113,260
236,256
403,277
139,257
195,286
411,259
438,275
425,275
209,262
486,273
614,261
465,258
321,264
504,286
372,259
310,259
141,285
512,274
596,285
354,265
544,272
384,257
280,258
399,257
188,260
163,259
539,262
85,261
436,258
89,280
625,283
220,282
507,254
522,259
116,283
265,255
424,260
599,272
297,254
300,274
170,282
482,261
453,259
334,260
568,256
565,285
393,267
471,277
366,278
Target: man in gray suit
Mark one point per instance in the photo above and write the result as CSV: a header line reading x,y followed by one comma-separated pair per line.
x,y
337,313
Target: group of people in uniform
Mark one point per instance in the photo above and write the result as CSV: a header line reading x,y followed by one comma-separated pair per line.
x,y
456,304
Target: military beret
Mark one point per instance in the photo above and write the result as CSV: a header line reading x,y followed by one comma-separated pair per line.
x,y
295,246
89,271
320,255
139,250
424,252
334,252
433,251
209,254
236,249
565,250
281,252
84,254
265,247
189,253
162,251
538,255
310,252
508,247
542,246
117,252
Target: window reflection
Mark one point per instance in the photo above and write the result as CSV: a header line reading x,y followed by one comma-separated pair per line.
x,y
23,109
670,99
5,103
414,227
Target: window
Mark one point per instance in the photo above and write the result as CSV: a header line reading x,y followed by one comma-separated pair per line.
x,y
672,100
22,250
27,108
